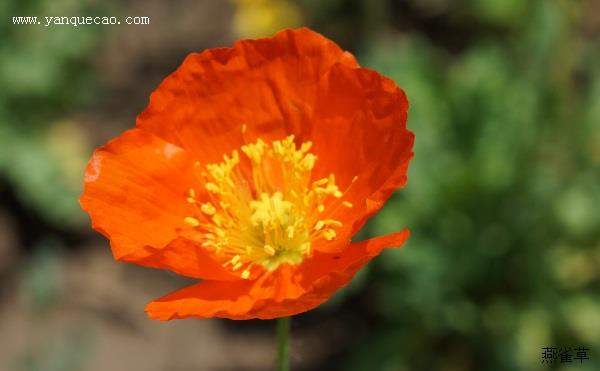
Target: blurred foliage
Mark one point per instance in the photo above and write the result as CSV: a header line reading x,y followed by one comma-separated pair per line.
x,y
46,74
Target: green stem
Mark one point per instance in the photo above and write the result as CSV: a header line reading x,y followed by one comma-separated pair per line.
x,y
283,334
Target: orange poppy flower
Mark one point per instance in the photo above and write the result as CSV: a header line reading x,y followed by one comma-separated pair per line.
x,y
251,169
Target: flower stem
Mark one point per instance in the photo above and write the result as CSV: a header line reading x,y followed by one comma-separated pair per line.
x,y
283,334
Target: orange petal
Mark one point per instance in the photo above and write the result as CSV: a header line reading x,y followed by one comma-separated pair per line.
x,y
206,299
359,130
352,258
285,292
134,191
268,85
183,257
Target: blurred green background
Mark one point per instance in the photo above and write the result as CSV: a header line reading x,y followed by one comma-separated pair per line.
x,y
502,200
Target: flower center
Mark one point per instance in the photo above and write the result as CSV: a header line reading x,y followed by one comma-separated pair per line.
x,y
267,213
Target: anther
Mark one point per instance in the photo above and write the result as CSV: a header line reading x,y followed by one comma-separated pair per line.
x,y
329,234
305,247
217,220
331,222
347,204
211,187
305,146
269,250
319,225
246,274
208,208
191,221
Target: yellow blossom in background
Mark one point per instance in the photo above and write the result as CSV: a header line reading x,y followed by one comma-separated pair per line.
x,y
260,18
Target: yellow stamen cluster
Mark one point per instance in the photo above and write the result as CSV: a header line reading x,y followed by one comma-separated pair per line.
x,y
263,209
